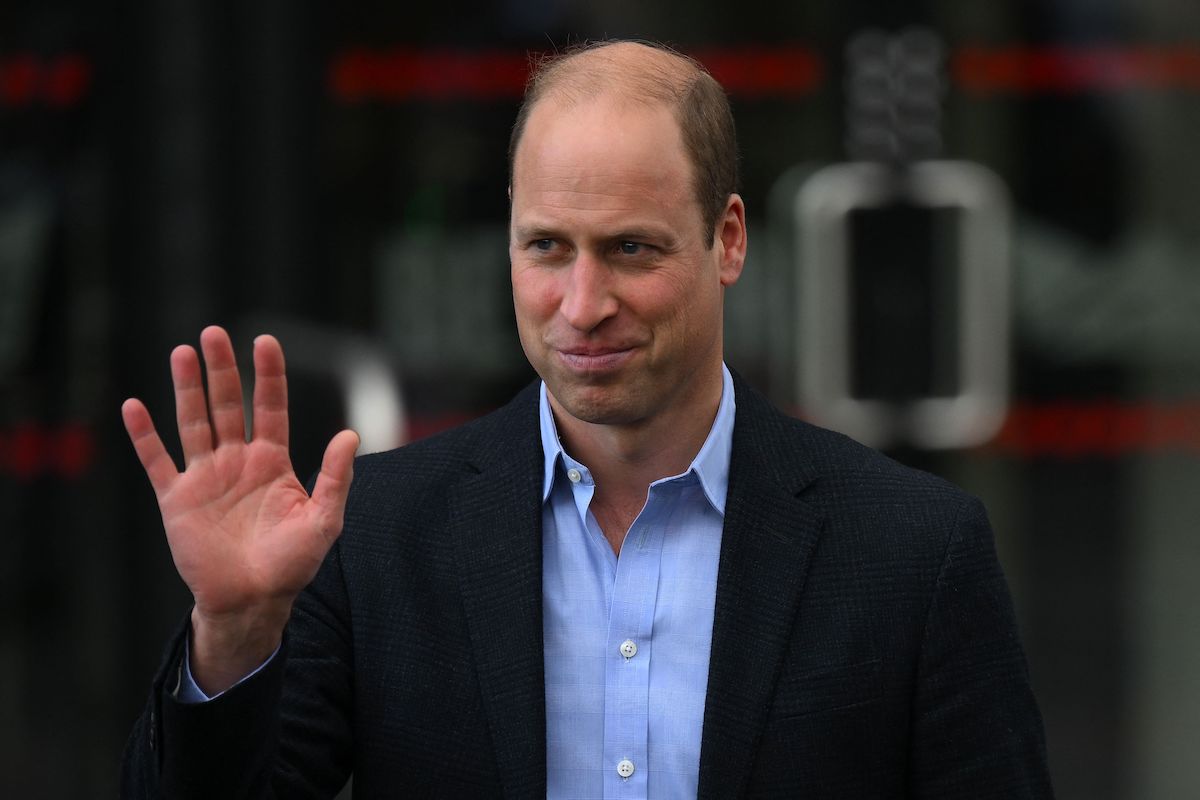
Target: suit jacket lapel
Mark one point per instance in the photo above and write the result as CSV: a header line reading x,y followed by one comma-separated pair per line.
x,y
497,524
767,541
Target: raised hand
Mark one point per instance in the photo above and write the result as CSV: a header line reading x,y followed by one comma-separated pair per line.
x,y
245,535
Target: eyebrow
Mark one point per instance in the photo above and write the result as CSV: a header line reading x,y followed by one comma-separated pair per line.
x,y
535,232
655,234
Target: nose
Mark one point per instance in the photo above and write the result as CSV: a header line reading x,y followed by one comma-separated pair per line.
x,y
588,298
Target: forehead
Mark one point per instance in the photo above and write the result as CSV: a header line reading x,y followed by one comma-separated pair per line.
x,y
603,152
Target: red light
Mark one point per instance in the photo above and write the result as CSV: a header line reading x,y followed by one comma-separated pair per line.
x,y
989,70
19,78
27,449
403,75
58,83
75,449
66,81
1099,429
31,450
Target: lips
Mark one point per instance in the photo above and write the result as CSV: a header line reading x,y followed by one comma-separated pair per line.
x,y
594,358
589,351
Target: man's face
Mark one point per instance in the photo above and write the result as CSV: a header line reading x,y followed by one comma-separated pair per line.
x,y
617,292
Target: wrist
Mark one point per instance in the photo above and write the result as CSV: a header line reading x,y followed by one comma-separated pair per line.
x,y
227,647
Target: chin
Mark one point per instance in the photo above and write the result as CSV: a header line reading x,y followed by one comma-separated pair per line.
x,y
598,406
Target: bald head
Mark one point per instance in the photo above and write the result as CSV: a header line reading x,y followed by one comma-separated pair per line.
x,y
654,76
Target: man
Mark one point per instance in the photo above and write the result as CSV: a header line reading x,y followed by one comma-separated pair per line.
x,y
636,580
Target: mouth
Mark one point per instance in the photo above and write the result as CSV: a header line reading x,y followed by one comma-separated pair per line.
x,y
594,359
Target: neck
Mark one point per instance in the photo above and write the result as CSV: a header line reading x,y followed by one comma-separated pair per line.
x,y
625,459
657,446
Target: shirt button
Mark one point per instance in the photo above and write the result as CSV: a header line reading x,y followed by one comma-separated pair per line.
x,y
628,648
574,475
625,768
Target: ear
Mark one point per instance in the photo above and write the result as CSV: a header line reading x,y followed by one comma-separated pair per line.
x,y
731,240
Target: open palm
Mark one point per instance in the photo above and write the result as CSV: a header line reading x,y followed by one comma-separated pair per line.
x,y
245,535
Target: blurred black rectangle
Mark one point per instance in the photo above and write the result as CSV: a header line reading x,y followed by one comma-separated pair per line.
x,y
904,314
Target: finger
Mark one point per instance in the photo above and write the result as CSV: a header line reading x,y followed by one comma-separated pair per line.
x,y
160,467
191,409
224,387
270,392
333,482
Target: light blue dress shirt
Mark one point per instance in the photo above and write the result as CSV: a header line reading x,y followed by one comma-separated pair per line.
x,y
627,639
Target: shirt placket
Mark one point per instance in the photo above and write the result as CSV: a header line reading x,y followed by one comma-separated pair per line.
x,y
627,657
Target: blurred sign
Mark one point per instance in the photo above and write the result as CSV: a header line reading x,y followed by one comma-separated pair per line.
x,y
904,298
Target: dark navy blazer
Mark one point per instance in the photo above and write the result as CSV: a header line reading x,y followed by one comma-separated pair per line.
x,y
864,642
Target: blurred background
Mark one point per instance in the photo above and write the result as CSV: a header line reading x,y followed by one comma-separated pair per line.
x,y
973,244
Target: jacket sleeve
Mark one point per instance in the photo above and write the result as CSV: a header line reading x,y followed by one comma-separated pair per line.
x,y
977,732
284,732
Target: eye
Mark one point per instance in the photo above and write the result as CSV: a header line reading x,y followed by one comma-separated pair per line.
x,y
631,248
545,245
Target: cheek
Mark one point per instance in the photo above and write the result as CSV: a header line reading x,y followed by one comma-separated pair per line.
x,y
692,328
686,304
536,295
529,319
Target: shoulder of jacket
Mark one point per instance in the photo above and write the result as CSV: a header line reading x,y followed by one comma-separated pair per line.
x,y
453,449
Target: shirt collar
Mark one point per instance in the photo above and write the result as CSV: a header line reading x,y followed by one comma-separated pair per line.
x,y
711,464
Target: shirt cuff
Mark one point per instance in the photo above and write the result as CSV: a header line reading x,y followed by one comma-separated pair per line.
x,y
186,690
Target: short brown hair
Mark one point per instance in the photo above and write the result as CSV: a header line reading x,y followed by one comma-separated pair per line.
x,y
699,103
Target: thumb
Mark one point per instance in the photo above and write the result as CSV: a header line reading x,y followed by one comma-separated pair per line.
x,y
337,470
